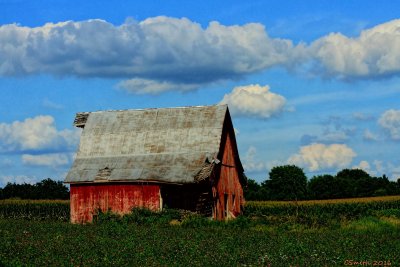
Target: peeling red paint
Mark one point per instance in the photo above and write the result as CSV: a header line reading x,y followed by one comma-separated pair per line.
x,y
86,199
229,193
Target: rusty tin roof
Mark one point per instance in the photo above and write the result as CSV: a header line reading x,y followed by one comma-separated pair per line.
x,y
173,145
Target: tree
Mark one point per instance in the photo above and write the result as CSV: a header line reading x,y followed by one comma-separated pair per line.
x,y
321,187
354,183
46,189
251,191
286,183
49,189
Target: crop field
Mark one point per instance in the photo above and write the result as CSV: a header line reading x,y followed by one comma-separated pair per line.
x,y
361,232
35,209
317,213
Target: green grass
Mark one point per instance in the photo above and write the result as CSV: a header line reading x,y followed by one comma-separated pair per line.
x,y
269,234
41,243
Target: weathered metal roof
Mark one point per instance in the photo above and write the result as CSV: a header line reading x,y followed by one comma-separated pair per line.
x,y
174,145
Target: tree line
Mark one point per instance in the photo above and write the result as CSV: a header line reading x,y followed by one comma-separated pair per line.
x,y
45,189
286,182
290,183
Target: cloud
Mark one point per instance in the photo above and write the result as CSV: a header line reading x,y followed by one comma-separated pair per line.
x,y
390,122
369,136
50,104
162,49
144,86
375,53
394,171
335,130
325,138
251,164
164,53
18,179
254,100
48,160
317,157
379,168
36,134
365,166
359,116
391,169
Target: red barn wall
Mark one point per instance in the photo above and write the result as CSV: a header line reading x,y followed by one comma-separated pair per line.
x,y
87,199
230,198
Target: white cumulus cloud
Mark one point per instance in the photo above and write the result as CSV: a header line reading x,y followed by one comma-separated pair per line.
x,y
162,49
38,133
390,121
254,100
317,157
164,53
374,53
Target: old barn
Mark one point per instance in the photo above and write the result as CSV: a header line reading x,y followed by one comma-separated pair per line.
x,y
184,158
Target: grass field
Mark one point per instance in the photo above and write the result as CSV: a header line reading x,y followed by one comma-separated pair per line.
x,y
260,238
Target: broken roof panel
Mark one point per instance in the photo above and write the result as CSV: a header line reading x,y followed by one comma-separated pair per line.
x,y
166,145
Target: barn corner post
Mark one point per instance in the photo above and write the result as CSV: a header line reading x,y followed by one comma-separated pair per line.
x,y
184,158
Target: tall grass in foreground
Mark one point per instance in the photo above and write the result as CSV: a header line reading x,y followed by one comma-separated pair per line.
x,y
269,234
49,243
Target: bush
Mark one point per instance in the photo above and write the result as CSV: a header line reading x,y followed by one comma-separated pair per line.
x,y
143,216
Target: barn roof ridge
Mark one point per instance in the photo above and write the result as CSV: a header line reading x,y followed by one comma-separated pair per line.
x,y
148,109
206,152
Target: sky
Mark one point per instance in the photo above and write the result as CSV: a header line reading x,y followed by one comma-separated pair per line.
x,y
310,83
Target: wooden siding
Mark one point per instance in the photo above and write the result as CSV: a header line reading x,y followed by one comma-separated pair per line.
x,y
87,199
229,192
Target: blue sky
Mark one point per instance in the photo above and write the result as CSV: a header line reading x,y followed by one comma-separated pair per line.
x,y
311,83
